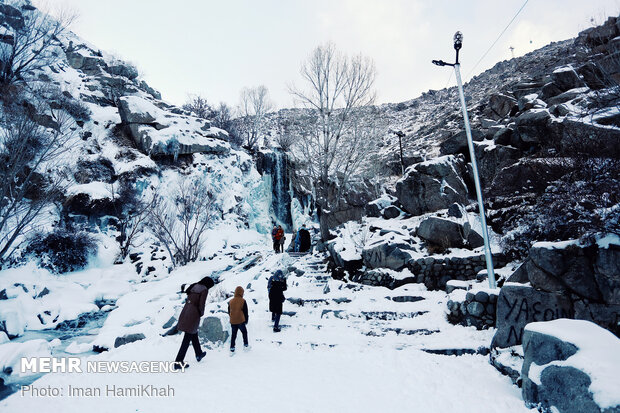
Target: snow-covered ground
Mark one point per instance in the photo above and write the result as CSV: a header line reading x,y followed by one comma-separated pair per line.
x,y
347,348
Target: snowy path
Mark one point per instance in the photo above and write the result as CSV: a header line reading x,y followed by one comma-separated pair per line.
x,y
338,352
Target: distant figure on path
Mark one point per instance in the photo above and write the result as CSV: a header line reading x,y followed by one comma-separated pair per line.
x,y
274,233
277,238
189,319
282,241
303,241
238,311
276,287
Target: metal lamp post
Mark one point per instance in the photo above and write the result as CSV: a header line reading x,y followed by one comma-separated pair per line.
x,y
458,43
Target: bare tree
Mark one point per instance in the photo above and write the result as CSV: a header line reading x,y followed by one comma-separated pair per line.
x,y
254,104
337,88
30,42
131,211
222,117
288,133
30,178
180,223
199,107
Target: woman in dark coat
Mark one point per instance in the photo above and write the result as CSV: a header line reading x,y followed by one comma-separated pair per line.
x,y
276,287
190,319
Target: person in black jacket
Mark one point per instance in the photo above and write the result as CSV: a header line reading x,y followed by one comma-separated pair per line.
x,y
305,240
189,319
277,286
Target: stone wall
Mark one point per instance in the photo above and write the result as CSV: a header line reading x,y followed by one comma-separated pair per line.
x,y
478,309
434,273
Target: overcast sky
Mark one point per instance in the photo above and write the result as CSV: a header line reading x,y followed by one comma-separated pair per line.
x,y
215,48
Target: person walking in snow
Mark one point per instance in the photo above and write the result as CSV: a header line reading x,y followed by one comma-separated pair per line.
x,y
276,287
238,312
189,319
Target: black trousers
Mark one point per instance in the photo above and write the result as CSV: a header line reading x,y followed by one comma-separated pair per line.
x,y
276,245
185,344
244,332
276,319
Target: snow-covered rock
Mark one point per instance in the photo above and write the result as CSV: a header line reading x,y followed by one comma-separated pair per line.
x,y
570,366
432,185
163,133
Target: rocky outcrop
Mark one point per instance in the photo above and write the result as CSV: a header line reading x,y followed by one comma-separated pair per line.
x,y
566,280
157,132
432,185
457,144
519,305
501,106
385,254
449,234
560,371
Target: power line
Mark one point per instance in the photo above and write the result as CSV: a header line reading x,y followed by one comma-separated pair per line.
x,y
496,40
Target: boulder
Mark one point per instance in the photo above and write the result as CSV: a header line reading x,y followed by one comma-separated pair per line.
x,y
503,136
519,305
566,78
386,255
211,330
550,90
531,126
593,76
134,109
90,65
432,185
455,210
123,69
348,261
526,175
562,270
492,158
561,372
526,87
129,338
391,212
587,271
531,101
501,105
87,170
458,143
443,232
568,95
590,138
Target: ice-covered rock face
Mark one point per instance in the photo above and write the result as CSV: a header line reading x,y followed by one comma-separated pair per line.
x,y
159,132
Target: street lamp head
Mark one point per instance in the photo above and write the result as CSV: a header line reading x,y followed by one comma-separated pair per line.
x,y
439,62
458,40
